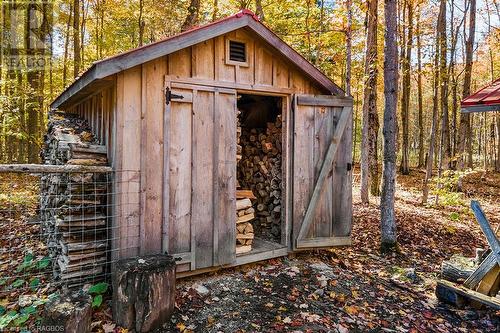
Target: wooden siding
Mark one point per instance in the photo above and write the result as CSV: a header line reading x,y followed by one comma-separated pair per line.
x,y
160,196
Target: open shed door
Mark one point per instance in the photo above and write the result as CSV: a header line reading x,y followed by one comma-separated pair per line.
x,y
199,198
322,161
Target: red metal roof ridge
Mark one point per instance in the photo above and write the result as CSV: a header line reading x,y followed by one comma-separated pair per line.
x,y
487,95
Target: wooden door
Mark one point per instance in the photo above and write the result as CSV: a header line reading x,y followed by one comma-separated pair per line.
x,y
200,199
322,193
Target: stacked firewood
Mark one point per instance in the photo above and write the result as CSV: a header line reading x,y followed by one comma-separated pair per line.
x,y
245,214
260,170
73,205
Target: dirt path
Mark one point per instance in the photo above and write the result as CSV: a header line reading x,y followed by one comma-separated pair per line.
x,y
352,289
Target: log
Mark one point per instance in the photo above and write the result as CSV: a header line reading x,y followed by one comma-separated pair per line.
x,y
245,194
243,204
245,218
457,268
71,313
452,293
144,296
49,168
245,236
243,249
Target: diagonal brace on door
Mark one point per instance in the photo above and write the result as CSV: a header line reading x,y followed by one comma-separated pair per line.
x,y
325,169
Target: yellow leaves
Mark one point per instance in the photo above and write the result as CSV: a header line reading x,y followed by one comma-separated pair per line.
x,y
182,328
351,309
282,309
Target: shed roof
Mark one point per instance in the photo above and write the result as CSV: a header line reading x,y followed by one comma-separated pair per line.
x,y
96,75
485,99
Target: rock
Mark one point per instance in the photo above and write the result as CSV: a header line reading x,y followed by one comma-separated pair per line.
x,y
201,289
411,275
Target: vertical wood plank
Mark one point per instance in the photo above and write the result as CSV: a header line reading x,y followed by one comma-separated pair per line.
x,y
179,182
245,74
203,60
225,176
280,74
286,196
342,189
223,72
131,141
303,164
323,128
118,223
263,66
202,178
179,63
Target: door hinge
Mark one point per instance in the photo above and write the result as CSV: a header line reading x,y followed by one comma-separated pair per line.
x,y
169,96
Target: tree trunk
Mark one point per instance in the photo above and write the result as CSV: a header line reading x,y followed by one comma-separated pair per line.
x,y
66,45
405,100
387,215
465,121
258,10
432,141
141,22
444,156
419,93
369,160
497,168
348,46
76,38
192,18
215,12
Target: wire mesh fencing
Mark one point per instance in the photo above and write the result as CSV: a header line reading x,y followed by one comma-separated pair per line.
x,y
58,229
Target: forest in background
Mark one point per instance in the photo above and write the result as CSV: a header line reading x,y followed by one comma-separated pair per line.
x,y
345,39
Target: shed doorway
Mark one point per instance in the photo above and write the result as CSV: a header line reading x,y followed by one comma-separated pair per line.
x,y
259,186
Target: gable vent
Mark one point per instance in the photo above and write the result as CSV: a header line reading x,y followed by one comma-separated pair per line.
x,y
237,51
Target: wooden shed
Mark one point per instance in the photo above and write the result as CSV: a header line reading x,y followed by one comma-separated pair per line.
x,y
171,114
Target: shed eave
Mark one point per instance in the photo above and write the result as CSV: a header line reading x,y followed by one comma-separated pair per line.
x,y
480,108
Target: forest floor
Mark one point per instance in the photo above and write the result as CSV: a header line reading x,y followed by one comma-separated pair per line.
x,y
354,289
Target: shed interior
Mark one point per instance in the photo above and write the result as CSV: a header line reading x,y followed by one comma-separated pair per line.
x,y
259,171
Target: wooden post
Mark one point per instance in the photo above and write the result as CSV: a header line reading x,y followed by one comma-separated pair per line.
x,y
71,313
144,292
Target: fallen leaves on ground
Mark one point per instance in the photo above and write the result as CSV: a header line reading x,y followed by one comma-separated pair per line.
x,y
353,289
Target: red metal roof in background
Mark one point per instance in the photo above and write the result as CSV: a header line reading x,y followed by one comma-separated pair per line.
x,y
488,95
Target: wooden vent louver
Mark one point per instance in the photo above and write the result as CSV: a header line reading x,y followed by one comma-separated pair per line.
x,y
237,51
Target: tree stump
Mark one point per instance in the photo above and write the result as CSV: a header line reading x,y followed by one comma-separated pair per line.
x,y
70,313
144,292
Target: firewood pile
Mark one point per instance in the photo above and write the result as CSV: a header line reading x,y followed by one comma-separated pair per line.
x,y
73,205
245,214
259,169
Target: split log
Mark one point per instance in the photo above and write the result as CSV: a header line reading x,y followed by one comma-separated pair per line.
x,y
144,296
243,249
243,204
